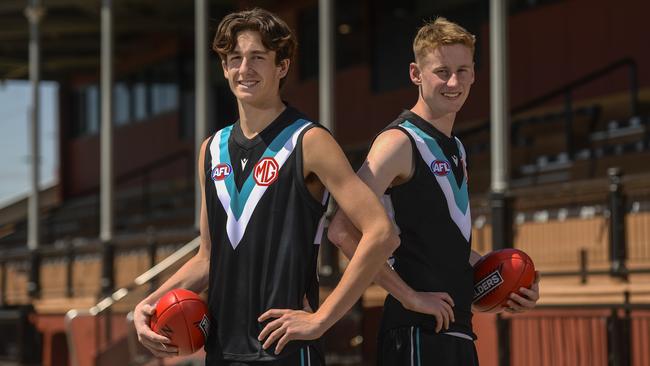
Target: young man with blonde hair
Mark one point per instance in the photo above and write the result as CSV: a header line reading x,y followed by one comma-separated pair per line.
x,y
264,181
419,168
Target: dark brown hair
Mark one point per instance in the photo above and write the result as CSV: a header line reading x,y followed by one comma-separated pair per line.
x,y
275,33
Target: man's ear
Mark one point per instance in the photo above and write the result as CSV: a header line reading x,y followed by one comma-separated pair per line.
x,y
224,66
284,67
415,73
473,74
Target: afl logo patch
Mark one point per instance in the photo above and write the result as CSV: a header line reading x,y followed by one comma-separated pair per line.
x,y
440,168
266,172
221,171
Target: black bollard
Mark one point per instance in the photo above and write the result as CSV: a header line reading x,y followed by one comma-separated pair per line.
x,y
108,264
502,237
34,282
617,242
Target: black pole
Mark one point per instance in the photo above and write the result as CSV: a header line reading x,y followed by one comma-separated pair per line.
x,y
108,278
152,247
34,283
583,266
107,286
626,329
617,241
619,336
634,90
503,336
69,270
3,290
501,205
568,123
613,339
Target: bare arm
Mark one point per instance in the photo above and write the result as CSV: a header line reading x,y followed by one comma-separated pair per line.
x,y
390,160
474,257
193,275
324,157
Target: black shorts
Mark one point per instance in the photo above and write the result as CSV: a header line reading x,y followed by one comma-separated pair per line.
x,y
306,356
413,346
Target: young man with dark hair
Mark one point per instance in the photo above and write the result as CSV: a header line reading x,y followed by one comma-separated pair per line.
x,y
419,168
264,182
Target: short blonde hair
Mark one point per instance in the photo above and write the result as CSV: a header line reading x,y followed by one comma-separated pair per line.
x,y
441,32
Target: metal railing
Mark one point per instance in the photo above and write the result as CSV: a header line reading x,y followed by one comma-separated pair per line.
x,y
104,306
567,91
599,334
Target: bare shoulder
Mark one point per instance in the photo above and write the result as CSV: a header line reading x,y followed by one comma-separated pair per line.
x,y
202,151
204,145
318,144
323,155
391,154
317,136
201,159
393,139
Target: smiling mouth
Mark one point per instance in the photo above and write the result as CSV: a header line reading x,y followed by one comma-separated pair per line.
x,y
248,83
451,95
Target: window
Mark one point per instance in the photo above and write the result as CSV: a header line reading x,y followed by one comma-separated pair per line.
x,y
91,98
121,103
86,111
136,97
164,88
139,94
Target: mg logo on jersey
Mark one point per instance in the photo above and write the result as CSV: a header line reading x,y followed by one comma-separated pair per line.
x,y
440,167
266,171
221,171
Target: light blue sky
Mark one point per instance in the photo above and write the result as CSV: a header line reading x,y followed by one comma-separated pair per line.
x,y
15,98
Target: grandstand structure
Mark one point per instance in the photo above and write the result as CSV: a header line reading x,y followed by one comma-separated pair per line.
x,y
579,137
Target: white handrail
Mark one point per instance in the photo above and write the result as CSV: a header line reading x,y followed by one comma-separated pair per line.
x,y
119,294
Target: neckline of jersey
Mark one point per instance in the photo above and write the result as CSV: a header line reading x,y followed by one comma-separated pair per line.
x,y
281,121
426,126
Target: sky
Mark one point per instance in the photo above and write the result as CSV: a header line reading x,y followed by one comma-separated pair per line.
x,y
15,99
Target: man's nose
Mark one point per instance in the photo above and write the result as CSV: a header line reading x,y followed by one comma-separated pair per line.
x,y
453,80
243,67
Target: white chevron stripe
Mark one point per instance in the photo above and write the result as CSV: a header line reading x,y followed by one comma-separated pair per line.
x,y
236,228
462,220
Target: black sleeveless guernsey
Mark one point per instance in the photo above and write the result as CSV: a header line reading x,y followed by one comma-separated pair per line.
x,y
433,216
265,228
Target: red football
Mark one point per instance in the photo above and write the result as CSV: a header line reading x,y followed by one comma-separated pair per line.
x,y
497,275
182,316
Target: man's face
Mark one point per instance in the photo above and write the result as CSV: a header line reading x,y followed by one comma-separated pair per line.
x,y
445,77
251,70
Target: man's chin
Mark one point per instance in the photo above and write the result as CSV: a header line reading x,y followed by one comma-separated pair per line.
x,y
246,97
455,106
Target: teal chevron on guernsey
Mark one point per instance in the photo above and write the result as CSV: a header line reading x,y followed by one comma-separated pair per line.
x,y
239,205
457,196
